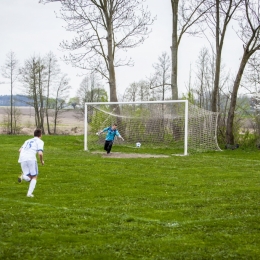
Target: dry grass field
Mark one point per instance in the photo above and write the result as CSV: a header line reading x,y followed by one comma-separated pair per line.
x,y
68,121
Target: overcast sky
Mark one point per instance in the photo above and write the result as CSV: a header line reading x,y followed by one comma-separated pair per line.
x,y
29,28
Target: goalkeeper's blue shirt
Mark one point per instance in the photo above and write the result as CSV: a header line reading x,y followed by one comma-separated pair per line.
x,y
111,133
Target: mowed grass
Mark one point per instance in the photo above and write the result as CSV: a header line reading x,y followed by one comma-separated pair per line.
x,y
203,206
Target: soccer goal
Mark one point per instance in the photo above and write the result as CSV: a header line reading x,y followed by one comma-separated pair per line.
x,y
174,124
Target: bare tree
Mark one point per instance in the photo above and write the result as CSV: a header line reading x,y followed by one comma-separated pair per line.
x,y
74,101
252,76
201,92
15,121
11,71
131,93
137,91
249,33
103,27
161,77
251,82
90,90
203,79
52,72
144,91
217,19
185,14
33,79
61,93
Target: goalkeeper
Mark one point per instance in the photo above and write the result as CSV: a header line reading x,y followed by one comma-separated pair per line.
x,y
111,133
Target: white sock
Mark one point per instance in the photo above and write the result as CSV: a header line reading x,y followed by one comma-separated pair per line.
x,y
31,186
26,178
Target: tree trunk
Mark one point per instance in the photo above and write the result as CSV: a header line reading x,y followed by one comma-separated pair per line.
x,y
35,100
174,49
47,101
111,67
218,61
55,116
231,112
40,91
219,47
11,125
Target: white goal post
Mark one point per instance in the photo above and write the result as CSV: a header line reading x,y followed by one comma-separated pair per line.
x,y
175,124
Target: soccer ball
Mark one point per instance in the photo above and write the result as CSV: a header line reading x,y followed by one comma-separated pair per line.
x,y
138,145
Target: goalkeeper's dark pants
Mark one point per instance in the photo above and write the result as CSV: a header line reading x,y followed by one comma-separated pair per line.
x,y
108,146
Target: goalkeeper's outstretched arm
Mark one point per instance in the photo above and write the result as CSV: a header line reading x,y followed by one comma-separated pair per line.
x,y
99,132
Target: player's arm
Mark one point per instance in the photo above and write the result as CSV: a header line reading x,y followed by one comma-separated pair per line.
x,y
102,131
40,153
117,133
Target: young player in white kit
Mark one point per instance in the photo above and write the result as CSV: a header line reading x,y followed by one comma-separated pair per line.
x,y
28,160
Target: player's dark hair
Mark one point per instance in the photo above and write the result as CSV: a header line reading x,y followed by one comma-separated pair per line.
x,y
38,132
115,124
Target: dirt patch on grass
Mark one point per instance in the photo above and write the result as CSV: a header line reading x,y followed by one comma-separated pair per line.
x,y
130,155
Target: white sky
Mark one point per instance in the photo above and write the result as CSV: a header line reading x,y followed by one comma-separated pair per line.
x,y
28,28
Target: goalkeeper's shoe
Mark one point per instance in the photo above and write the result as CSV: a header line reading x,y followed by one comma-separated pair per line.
x,y
20,178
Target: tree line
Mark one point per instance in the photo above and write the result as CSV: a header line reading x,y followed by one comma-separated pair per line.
x,y
45,88
105,28
43,83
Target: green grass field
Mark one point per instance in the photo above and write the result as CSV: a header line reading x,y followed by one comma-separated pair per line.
x,y
203,206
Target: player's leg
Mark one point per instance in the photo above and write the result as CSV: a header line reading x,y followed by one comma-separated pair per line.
x,y
25,172
109,147
106,145
32,186
33,175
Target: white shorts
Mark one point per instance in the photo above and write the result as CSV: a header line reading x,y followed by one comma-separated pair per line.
x,y
29,168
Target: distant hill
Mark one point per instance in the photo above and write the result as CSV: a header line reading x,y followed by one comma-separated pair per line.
x,y
18,100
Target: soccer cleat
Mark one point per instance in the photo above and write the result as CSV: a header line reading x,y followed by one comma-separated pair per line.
x,y
20,178
30,195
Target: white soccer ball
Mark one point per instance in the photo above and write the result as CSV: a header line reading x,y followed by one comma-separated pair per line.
x,y
138,145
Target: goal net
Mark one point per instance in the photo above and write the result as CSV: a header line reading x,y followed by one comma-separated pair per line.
x,y
178,125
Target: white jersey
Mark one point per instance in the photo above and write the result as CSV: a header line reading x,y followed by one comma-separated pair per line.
x,y
30,148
